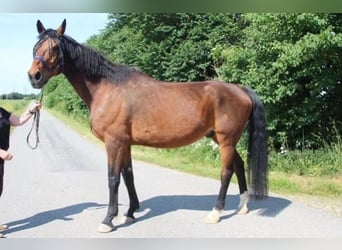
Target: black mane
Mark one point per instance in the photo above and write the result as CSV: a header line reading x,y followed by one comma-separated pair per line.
x,y
88,61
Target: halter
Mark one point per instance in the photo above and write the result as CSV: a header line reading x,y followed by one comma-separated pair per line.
x,y
60,62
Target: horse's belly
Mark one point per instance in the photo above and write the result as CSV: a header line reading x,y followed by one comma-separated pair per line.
x,y
173,136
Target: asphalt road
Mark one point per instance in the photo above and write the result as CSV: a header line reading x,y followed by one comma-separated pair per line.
x,y
60,190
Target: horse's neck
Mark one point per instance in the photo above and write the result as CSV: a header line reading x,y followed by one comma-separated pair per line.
x,y
82,87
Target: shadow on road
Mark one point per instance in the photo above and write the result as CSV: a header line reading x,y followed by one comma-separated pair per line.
x,y
49,216
160,205
156,206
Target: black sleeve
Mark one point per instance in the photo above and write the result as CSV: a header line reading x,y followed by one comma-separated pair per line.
x,y
5,113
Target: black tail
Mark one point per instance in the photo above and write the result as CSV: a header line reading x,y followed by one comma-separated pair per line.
x,y
257,157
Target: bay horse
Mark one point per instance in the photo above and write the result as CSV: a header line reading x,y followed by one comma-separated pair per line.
x,y
128,107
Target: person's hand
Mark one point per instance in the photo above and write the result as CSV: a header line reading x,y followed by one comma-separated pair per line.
x,y
35,106
5,155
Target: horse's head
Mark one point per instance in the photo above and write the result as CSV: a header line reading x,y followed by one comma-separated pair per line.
x,y
48,56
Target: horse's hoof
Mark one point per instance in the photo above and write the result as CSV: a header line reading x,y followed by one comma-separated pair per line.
x,y
243,210
213,217
103,228
127,220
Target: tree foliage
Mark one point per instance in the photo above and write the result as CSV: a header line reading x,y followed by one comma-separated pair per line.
x,y
170,47
17,96
293,62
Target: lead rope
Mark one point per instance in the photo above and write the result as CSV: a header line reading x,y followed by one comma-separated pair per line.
x,y
35,124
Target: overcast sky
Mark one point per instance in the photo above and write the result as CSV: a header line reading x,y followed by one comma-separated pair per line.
x,y
19,34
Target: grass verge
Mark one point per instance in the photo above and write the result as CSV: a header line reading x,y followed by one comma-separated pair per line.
x,y
15,106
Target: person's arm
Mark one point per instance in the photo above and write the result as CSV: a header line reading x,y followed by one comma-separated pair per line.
x,y
20,120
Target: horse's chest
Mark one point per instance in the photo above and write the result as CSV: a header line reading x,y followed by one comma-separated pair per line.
x,y
108,121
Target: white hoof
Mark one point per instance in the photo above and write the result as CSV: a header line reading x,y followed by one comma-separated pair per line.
x,y
213,217
103,228
243,208
126,220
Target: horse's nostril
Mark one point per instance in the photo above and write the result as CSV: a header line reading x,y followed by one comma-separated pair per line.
x,y
38,76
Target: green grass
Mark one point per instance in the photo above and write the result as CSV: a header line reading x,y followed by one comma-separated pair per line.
x,y
323,162
294,184
15,106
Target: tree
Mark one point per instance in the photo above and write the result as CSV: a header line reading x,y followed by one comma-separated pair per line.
x,y
293,61
170,47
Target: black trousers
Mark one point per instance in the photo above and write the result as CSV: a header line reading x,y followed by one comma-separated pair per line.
x,y
1,177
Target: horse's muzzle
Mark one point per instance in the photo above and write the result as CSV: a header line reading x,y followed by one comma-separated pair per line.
x,y
37,80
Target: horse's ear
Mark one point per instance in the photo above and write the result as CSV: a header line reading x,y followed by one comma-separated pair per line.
x,y
61,29
40,27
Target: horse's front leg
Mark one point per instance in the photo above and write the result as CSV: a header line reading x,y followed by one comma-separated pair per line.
x,y
117,158
127,174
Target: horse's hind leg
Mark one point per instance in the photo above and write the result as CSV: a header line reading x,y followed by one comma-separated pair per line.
x,y
227,156
241,177
127,174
